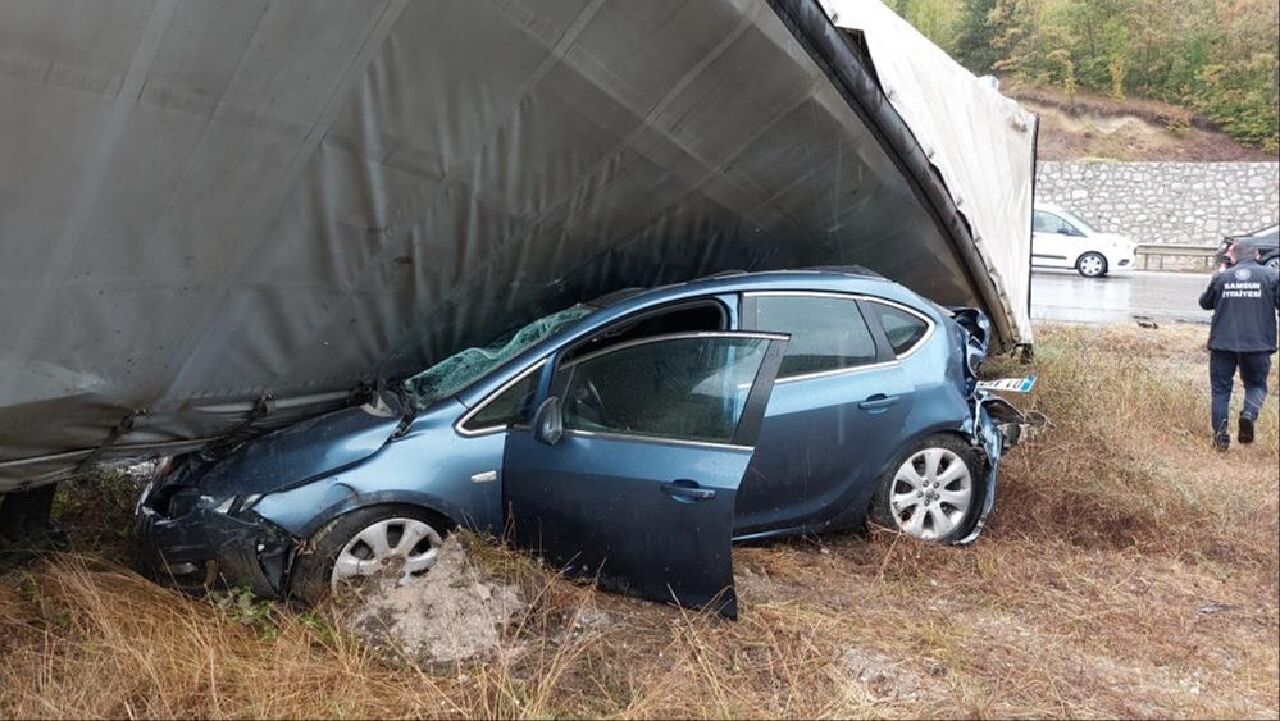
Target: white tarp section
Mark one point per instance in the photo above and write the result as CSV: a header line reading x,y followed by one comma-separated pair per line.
x,y
982,142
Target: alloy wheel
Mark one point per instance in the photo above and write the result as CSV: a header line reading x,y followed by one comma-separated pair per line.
x,y
403,547
1092,265
932,492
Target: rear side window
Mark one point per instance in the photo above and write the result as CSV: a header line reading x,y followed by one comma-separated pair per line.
x,y
903,329
827,333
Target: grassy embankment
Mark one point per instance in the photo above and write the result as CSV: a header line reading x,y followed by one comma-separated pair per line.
x,y
1089,595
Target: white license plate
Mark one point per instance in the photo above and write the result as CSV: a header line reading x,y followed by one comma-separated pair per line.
x,y
1012,385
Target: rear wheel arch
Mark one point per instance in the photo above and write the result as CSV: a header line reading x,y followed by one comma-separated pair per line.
x,y
950,439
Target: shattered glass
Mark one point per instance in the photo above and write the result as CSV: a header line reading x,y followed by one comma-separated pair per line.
x,y
463,368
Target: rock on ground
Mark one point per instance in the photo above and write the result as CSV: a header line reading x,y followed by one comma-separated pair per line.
x,y
453,612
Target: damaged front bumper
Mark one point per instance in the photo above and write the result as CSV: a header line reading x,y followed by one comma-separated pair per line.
x,y
207,543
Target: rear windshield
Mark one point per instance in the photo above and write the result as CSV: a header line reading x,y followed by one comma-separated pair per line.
x,y
465,367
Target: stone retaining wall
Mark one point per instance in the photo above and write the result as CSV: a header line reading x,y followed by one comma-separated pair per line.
x,y
1165,202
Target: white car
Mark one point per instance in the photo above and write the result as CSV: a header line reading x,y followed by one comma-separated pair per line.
x,y
1060,239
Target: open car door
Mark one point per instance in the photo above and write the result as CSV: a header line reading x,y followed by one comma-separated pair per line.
x,y
630,470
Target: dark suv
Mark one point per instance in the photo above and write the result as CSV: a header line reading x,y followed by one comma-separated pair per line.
x,y
1266,240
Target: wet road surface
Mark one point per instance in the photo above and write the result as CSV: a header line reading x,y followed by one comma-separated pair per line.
x,y
1165,297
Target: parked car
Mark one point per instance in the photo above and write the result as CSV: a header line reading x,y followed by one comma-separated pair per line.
x,y
1060,239
630,439
1266,240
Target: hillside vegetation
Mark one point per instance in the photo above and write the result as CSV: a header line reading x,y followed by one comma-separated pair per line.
x,y
1215,57
1129,571
1087,125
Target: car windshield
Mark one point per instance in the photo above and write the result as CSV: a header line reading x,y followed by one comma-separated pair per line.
x,y
463,368
1076,221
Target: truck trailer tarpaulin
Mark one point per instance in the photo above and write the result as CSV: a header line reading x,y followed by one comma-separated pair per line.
x,y
216,218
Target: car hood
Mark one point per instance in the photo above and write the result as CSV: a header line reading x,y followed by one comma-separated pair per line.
x,y
305,450
1115,239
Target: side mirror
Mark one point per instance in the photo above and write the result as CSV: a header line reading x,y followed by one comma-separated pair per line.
x,y
548,424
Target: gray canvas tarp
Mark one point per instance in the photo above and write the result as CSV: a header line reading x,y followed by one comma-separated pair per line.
x,y
207,204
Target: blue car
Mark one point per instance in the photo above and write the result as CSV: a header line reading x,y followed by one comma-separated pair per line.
x,y
629,440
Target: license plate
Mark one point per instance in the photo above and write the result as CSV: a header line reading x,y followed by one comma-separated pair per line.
x,y
1012,385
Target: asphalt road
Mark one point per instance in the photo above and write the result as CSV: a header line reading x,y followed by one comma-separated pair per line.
x,y
1165,297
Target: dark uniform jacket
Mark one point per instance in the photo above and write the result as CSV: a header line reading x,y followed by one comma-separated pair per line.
x,y
1244,299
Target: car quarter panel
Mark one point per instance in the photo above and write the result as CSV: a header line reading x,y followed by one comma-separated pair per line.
x,y
430,465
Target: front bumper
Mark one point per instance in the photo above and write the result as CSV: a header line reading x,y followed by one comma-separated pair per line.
x,y
1121,264
207,548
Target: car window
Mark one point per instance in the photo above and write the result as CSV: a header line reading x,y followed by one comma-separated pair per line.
x,y
1075,222
827,333
692,388
507,408
1049,223
904,330
1040,222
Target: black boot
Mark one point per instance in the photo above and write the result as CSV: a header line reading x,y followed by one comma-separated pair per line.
x,y
1222,438
1246,430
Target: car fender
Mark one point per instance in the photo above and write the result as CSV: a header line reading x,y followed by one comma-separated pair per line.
x,y
327,501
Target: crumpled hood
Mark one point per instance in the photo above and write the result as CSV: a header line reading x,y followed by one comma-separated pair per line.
x,y
305,450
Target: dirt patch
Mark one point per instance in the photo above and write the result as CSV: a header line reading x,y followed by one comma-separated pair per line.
x,y
454,612
1092,126
878,677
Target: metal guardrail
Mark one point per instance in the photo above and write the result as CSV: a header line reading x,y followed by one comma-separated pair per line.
x,y
1207,253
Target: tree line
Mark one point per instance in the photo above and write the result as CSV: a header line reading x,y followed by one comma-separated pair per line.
x,y
1216,57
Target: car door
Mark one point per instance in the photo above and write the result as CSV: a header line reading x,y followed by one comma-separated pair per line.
x,y
638,491
834,420
1049,246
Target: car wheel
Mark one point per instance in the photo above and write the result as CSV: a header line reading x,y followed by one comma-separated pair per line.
x,y
934,490
398,540
1092,265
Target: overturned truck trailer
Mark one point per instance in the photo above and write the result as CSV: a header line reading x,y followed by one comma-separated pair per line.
x,y
216,218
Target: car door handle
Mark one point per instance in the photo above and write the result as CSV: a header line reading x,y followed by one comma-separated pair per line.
x,y
687,491
878,403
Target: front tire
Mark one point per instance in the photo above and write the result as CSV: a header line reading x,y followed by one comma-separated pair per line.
x,y
934,490
399,540
1092,265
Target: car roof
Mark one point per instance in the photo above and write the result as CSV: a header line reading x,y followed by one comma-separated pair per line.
x,y
853,280
825,277
1262,236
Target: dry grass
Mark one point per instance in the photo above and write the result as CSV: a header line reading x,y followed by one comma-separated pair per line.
x,y
1113,530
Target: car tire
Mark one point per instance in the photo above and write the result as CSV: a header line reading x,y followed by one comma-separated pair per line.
x,y
313,576
928,506
1092,265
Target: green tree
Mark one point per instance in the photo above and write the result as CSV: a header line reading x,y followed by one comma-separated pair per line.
x,y
974,44
1217,57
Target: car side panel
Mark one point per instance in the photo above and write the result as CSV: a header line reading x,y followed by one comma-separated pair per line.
x,y
937,405
818,449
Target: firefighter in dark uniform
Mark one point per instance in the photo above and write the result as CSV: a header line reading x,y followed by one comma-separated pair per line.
x,y
1244,298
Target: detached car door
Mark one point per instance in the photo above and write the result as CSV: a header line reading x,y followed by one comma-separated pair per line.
x,y
638,489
